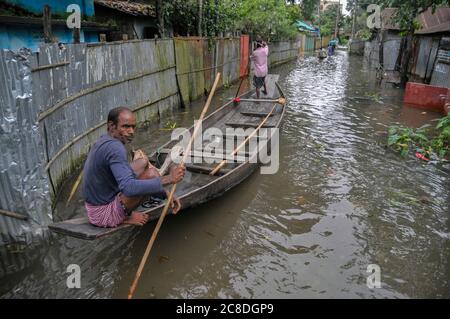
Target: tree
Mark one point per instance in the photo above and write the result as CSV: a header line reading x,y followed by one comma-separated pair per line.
x,y
182,16
199,22
328,20
160,14
309,9
406,16
269,19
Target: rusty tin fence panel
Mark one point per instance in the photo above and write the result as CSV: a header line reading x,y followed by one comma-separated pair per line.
x,y
23,182
199,59
391,51
245,54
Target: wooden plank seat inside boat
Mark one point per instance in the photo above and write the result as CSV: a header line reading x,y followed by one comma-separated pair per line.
x,y
255,113
247,124
209,155
198,186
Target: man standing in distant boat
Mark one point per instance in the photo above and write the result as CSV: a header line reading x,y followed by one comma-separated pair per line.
x,y
112,187
259,58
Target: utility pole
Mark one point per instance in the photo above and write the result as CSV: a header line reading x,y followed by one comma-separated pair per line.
x,y
336,29
159,5
200,16
320,32
355,6
47,24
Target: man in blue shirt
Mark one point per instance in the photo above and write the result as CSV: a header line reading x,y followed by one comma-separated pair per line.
x,y
112,187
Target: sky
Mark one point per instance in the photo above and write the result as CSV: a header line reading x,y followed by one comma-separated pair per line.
x,y
344,6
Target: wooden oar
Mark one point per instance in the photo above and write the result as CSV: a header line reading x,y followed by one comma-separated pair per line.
x,y
280,100
221,164
169,199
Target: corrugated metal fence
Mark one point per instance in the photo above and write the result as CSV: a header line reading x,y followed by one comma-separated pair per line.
x,y
318,42
356,46
424,56
430,58
391,50
441,72
23,182
283,51
307,43
75,99
54,106
199,59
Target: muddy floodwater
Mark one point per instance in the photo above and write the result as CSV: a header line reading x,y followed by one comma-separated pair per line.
x,y
340,204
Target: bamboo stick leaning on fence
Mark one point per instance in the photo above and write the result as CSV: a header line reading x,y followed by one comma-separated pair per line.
x,y
13,214
234,152
75,187
172,192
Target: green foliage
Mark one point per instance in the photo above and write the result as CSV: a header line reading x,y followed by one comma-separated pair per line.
x,y
403,139
328,20
181,15
219,16
268,19
308,9
170,125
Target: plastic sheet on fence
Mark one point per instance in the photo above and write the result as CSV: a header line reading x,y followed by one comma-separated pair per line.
x,y
23,181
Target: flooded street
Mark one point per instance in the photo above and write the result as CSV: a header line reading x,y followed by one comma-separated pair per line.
x,y
340,202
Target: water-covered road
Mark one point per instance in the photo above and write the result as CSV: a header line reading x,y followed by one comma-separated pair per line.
x,y
340,202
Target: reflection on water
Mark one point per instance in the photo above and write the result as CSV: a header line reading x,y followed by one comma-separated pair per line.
x,y
340,202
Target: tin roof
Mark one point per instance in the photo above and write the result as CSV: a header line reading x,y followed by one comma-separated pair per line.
x,y
437,22
429,22
129,7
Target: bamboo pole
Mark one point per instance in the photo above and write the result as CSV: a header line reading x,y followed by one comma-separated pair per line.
x,y
13,214
172,192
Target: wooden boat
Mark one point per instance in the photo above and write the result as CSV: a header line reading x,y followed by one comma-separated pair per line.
x,y
322,54
199,186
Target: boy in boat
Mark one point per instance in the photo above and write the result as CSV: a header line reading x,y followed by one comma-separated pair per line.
x,y
259,58
112,187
